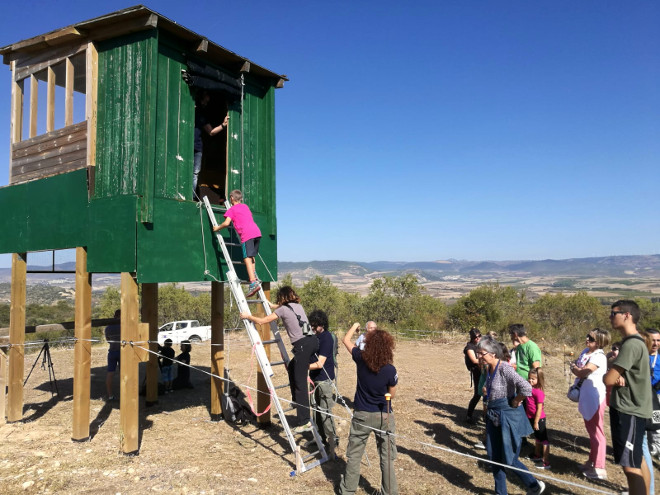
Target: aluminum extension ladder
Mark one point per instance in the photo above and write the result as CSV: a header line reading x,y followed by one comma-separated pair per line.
x,y
302,462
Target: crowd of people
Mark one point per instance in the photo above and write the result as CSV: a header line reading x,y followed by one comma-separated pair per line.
x,y
626,380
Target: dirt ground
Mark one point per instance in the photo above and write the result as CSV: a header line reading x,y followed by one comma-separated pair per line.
x,y
182,451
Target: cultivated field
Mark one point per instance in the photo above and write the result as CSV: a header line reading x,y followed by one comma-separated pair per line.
x,y
181,451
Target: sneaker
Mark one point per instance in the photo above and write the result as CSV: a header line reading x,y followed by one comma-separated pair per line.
x,y
538,490
303,428
536,459
596,474
253,288
586,465
542,465
480,446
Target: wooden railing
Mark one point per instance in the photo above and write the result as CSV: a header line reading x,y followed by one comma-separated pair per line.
x,y
55,152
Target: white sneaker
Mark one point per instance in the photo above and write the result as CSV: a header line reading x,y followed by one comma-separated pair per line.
x,y
596,474
480,446
537,491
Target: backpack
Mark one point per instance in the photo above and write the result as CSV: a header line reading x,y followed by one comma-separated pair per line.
x,y
304,325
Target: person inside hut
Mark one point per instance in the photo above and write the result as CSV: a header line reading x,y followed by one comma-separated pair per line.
x,y
203,126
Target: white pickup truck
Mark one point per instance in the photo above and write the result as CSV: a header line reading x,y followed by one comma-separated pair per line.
x,y
182,330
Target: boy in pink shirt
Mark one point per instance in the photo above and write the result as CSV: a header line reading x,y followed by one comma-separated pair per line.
x,y
248,232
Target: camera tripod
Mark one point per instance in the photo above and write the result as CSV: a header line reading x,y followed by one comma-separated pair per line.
x,y
46,361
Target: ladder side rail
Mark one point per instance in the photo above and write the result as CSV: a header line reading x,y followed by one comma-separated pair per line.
x,y
221,240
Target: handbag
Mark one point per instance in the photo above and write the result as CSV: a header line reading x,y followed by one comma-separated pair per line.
x,y
574,391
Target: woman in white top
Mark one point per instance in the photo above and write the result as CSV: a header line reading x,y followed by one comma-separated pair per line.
x,y
590,367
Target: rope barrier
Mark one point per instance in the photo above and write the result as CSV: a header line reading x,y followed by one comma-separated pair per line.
x,y
404,437
376,430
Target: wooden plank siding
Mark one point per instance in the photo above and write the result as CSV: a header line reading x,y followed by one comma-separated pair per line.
x,y
174,128
63,150
124,137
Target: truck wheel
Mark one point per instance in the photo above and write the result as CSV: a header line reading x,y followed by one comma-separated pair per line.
x,y
195,338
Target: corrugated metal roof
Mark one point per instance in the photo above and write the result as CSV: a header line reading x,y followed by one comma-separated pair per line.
x,y
135,19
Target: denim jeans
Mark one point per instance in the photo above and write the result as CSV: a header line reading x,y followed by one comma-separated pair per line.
x,y
197,167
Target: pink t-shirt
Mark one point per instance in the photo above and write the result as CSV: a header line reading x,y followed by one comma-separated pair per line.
x,y
241,217
531,403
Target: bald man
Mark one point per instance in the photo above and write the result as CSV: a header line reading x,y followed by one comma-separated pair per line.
x,y
371,326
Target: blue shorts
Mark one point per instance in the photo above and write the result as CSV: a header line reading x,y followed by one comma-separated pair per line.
x,y
166,373
113,360
251,247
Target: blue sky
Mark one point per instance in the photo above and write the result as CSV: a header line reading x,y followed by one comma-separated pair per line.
x,y
440,129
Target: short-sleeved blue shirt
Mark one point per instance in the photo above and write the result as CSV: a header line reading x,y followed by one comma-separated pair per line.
x,y
327,349
372,387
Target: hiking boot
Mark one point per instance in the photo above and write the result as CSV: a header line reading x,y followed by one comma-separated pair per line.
x,y
303,428
253,288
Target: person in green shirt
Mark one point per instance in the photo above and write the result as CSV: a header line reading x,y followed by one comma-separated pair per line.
x,y
630,402
528,354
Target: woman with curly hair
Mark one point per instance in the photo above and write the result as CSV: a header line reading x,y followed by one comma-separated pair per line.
x,y
376,376
293,317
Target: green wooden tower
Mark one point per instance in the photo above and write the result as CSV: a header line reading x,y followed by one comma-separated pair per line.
x,y
103,118
119,182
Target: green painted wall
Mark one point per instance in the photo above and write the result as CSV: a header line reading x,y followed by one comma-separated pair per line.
x,y
141,218
48,213
125,145
175,116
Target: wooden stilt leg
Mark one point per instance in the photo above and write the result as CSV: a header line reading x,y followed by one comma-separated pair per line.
x,y
17,337
217,346
263,399
129,359
83,348
150,316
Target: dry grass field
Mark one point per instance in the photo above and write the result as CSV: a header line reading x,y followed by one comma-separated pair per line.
x,y
182,451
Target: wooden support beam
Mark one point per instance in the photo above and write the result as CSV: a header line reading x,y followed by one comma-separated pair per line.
x,y
3,385
150,316
16,120
203,46
50,100
129,382
91,93
263,394
68,93
82,351
17,337
217,347
34,105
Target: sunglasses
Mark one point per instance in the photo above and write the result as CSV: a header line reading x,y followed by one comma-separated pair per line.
x,y
590,338
614,313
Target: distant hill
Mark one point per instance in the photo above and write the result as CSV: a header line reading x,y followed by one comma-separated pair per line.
x,y
608,276
609,266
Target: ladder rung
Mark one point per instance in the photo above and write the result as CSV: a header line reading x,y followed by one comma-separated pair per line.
x,y
277,363
267,342
282,386
288,410
254,301
231,244
237,262
313,454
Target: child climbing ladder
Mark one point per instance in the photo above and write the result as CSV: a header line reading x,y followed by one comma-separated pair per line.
x,y
249,234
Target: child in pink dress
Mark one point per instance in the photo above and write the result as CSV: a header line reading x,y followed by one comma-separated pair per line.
x,y
536,415
248,232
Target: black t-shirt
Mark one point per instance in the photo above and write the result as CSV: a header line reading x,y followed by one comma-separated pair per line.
x,y
372,387
167,354
470,346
